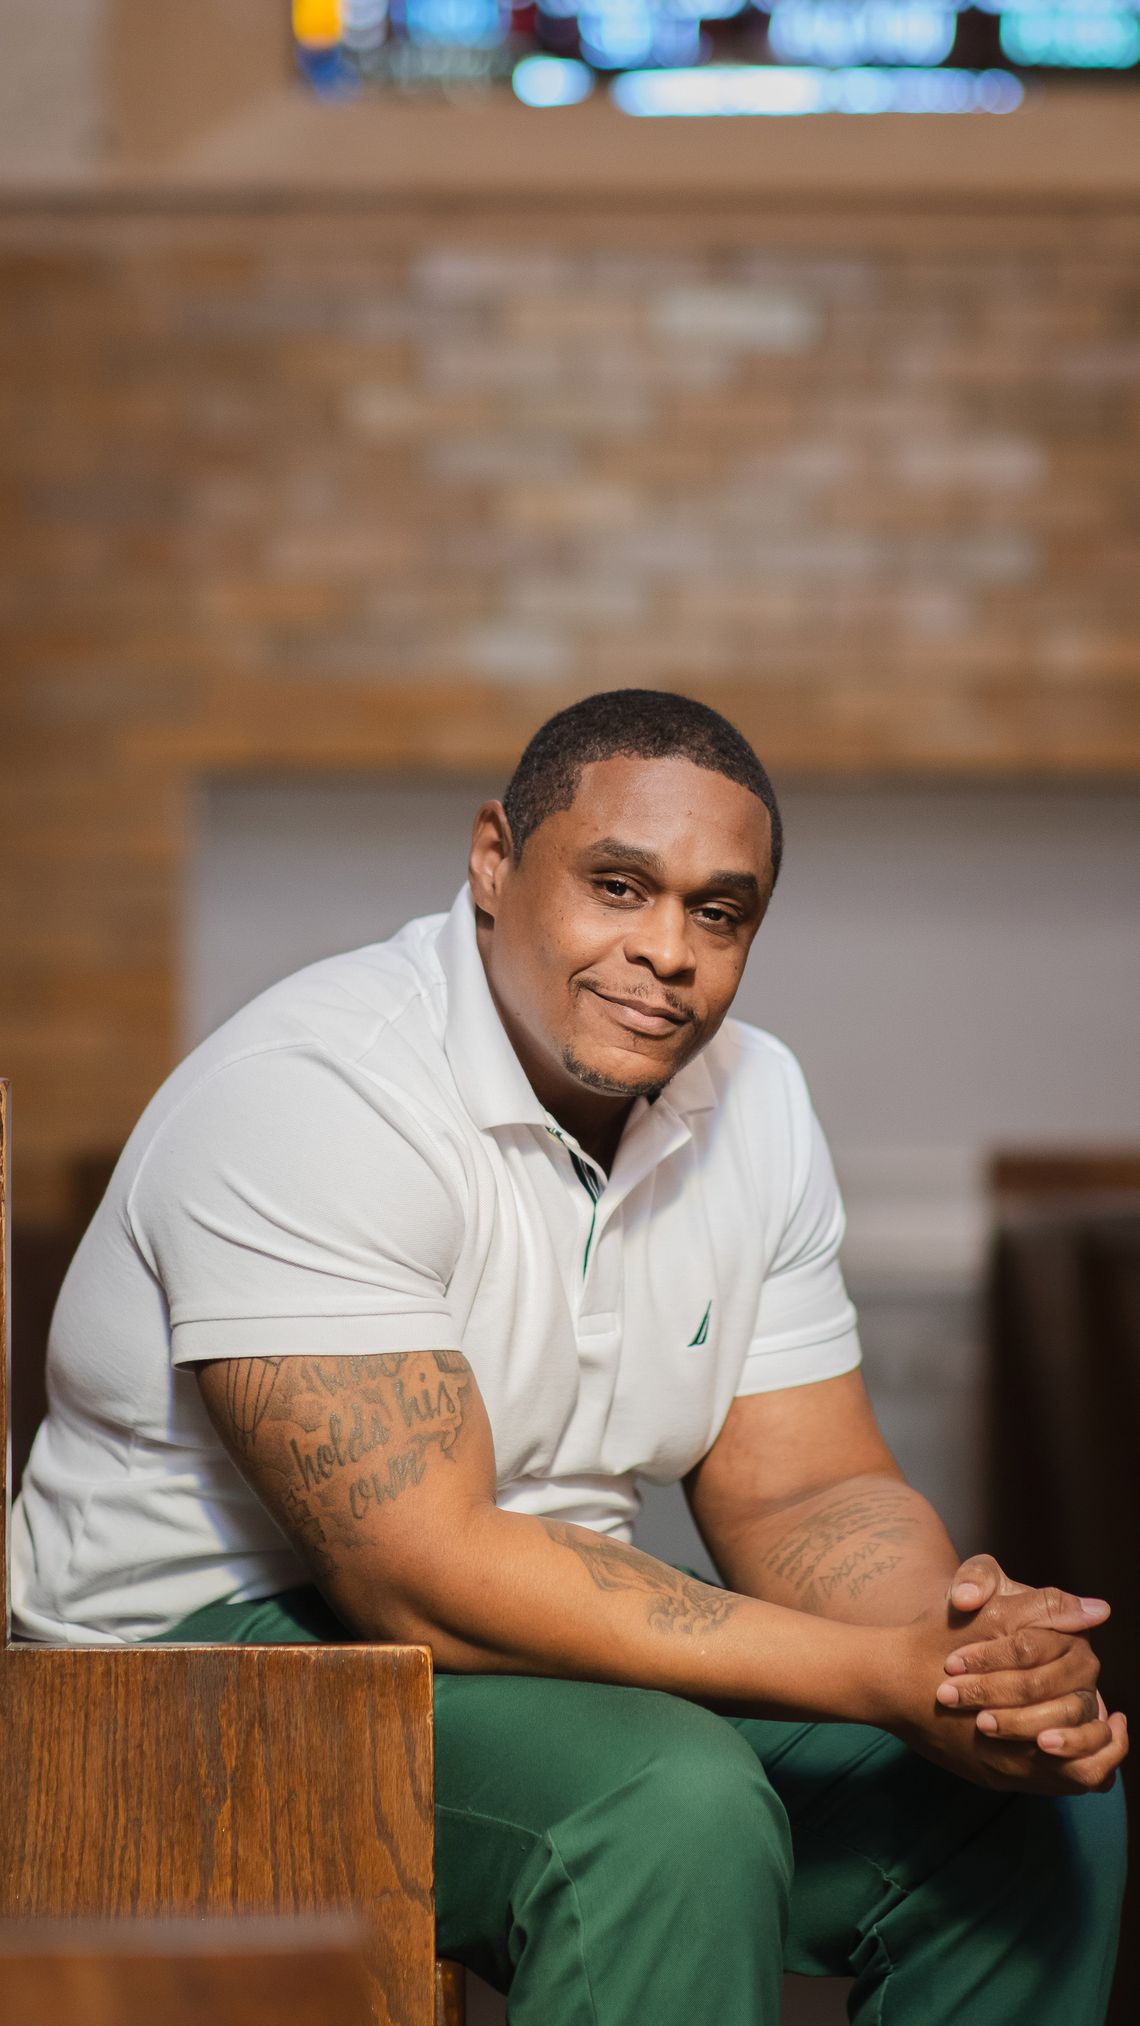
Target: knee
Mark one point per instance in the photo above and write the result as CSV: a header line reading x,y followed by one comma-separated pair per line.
x,y
701,1795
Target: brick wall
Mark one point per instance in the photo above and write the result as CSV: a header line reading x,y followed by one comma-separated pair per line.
x,y
340,489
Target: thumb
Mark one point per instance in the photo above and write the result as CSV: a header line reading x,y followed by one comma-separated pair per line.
x,y
975,1582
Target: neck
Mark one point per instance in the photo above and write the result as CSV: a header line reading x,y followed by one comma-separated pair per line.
x,y
599,1140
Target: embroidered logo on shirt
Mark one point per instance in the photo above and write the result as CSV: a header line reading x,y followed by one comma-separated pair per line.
x,y
702,1335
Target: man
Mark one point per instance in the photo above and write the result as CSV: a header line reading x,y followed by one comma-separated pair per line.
x,y
460,1236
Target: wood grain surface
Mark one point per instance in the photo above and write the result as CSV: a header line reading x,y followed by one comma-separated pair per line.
x,y
214,1780
181,1973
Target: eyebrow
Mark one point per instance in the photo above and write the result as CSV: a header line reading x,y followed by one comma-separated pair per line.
x,y
616,852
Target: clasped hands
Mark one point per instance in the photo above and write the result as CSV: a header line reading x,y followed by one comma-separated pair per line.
x,y
1018,1704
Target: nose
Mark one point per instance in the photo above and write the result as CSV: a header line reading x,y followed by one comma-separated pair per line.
x,y
660,936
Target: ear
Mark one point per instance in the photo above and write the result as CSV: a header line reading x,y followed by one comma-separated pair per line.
x,y
492,857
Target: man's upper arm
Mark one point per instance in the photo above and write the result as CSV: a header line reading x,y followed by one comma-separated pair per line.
x,y
804,1329
776,1448
369,1464
303,1221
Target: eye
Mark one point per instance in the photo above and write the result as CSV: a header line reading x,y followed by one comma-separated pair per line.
x,y
615,887
716,917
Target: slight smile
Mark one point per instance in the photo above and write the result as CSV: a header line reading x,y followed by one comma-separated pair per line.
x,y
642,1019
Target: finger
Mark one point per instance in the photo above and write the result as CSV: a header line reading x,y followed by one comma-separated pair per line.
x,y
1058,1609
1048,1773
1031,1646
1082,1741
975,1582
1068,1712
1017,1687
1096,1773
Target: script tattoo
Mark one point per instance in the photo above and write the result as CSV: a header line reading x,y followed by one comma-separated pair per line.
x,y
332,1441
674,1602
843,1547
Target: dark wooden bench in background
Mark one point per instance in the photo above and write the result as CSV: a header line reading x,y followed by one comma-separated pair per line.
x,y
1063,1415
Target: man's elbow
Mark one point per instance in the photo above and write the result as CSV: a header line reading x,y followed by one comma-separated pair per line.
x,y
441,1603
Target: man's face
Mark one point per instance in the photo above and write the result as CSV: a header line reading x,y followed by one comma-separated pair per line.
x,y
615,945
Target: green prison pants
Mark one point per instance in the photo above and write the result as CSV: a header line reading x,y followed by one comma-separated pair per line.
x,y
615,1857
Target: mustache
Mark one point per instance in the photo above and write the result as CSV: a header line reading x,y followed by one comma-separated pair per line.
x,y
654,1002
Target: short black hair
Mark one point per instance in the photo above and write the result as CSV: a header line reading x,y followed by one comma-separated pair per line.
x,y
645,724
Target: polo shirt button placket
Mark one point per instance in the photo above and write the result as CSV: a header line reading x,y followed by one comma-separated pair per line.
x,y
597,1307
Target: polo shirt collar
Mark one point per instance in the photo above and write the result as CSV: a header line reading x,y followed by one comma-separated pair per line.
x,y
692,1089
491,1079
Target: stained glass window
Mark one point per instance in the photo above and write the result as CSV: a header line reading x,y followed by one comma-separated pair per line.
x,y
697,57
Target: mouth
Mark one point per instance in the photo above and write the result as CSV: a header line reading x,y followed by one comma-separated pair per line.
x,y
641,1016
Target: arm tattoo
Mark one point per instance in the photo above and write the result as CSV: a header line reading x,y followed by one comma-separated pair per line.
x,y
249,1390
674,1602
331,1442
843,1547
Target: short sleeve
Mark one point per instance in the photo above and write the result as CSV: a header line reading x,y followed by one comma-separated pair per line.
x,y
292,1204
805,1325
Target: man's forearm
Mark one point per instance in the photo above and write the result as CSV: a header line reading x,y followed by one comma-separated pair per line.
x,y
531,1596
869,1551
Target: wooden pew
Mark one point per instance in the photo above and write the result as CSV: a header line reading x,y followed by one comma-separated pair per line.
x,y
1062,1410
204,1782
181,1972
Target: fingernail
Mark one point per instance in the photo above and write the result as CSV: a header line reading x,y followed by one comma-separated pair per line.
x,y
1093,1606
1051,1741
987,1721
955,1664
946,1693
968,1594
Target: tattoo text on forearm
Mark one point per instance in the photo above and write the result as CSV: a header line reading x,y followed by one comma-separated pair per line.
x,y
674,1602
844,1546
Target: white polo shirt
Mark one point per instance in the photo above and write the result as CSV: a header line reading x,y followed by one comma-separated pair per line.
x,y
357,1163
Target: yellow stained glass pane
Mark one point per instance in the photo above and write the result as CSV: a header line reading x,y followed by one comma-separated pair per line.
x,y
317,21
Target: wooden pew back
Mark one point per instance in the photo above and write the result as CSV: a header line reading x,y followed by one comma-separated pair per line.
x,y
183,1781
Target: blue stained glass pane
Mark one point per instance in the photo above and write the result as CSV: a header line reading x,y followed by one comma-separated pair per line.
x,y
708,10
676,40
618,34
474,23
790,91
1091,37
552,81
880,32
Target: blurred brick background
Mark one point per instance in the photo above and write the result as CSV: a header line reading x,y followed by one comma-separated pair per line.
x,y
340,487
